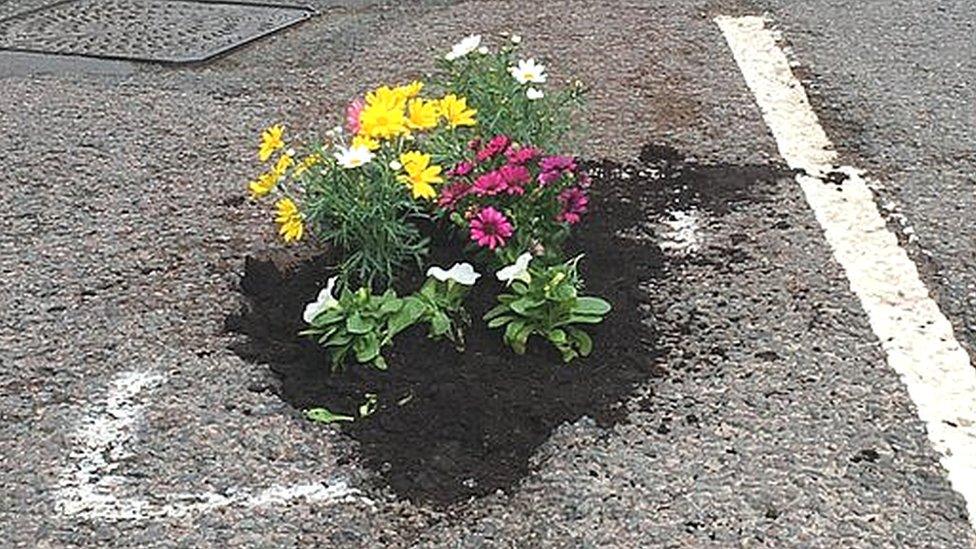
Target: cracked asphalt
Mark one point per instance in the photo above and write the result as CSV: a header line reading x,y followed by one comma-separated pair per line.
x,y
123,238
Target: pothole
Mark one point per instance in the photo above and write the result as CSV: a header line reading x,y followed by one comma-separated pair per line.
x,y
452,426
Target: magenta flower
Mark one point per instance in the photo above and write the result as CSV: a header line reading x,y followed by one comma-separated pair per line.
x,y
574,201
489,184
522,155
515,177
451,194
557,163
461,169
547,178
495,147
352,115
490,228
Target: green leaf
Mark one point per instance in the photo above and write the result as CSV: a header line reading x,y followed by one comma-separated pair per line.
x,y
500,321
356,324
391,306
521,338
329,316
524,304
439,324
495,311
582,319
367,348
512,329
557,336
582,340
591,306
324,415
407,316
337,340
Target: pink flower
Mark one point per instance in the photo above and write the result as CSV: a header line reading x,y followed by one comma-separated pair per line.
x,y
574,201
461,169
514,177
553,167
557,163
489,184
451,194
352,115
495,147
489,228
522,155
547,178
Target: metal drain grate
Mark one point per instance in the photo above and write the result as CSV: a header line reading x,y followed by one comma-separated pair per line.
x,y
161,31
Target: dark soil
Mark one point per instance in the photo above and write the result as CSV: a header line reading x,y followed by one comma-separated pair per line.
x,y
451,426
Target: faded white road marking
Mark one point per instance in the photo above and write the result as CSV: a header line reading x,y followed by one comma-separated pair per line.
x,y
90,486
917,338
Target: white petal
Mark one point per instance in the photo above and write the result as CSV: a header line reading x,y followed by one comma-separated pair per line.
x,y
438,273
534,94
464,273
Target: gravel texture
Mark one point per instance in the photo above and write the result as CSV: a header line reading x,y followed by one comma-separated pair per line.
x,y
122,246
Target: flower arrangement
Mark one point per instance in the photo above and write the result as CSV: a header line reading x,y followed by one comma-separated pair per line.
x,y
477,149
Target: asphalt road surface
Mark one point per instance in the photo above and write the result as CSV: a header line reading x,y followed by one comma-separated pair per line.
x,y
127,421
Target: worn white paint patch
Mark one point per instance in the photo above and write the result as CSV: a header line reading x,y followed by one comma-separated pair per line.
x,y
917,338
681,234
92,486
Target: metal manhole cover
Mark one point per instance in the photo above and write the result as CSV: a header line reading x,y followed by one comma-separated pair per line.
x,y
164,31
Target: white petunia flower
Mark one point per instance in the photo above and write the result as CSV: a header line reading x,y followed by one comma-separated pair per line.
x,y
527,71
464,47
322,303
516,39
516,271
462,273
534,94
354,156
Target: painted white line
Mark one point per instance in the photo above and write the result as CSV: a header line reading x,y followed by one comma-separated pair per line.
x,y
90,486
917,338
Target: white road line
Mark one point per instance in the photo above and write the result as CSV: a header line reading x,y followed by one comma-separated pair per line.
x,y
917,338
90,485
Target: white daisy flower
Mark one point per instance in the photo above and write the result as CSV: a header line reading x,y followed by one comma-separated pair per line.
x,y
528,70
464,47
516,271
324,302
534,94
354,156
462,273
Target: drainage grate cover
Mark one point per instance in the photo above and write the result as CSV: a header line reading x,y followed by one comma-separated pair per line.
x,y
162,31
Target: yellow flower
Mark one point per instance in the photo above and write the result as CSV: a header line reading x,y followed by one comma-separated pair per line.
x,y
388,97
263,185
456,111
409,91
364,141
382,121
422,115
271,141
306,163
420,174
284,162
289,219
